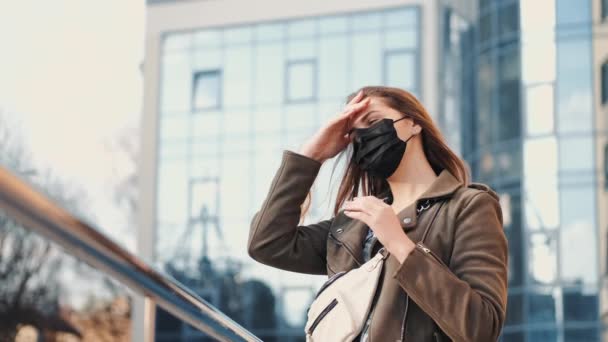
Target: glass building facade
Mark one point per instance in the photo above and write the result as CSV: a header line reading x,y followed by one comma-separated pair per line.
x,y
528,131
231,99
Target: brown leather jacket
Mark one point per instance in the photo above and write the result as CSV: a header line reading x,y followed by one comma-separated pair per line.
x,y
453,286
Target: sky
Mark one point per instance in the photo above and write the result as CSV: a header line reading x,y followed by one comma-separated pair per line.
x,y
70,79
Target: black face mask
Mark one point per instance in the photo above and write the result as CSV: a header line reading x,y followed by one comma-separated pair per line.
x,y
377,148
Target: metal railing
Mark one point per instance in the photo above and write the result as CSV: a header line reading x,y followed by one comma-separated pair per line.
x,y
36,212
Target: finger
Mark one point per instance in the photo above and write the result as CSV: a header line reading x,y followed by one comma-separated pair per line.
x,y
358,215
356,98
363,204
357,107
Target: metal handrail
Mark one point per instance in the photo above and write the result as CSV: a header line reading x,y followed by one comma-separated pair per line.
x,y
37,212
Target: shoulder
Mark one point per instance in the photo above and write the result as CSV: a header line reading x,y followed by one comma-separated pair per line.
x,y
477,199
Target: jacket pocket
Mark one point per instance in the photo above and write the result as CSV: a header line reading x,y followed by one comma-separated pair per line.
x,y
323,313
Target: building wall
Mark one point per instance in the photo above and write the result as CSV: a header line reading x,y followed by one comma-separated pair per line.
x,y
531,138
600,58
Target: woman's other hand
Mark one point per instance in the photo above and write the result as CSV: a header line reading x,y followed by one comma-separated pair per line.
x,y
382,220
333,137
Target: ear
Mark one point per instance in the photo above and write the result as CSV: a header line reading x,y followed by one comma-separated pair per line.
x,y
416,128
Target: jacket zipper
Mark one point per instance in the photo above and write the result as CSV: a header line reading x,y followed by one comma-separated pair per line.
x,y
329,282
428,251
345,246
323,313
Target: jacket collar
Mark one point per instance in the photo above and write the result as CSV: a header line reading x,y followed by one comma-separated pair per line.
x,y
353,233
444,186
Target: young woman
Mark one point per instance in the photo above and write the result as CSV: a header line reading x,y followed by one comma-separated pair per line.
x,y
445,283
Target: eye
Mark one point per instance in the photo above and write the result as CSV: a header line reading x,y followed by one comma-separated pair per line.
x,y
370,122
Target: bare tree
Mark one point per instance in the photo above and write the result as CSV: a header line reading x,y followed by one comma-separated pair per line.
x,y
31,265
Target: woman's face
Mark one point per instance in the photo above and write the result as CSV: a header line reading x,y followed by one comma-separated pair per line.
x,y
378,110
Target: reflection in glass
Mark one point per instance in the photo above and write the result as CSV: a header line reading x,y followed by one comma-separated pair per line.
x,y
268,84
574,94
515,309
576,335
578,235
541,307
542,335
301,77
333,72
176,78
540,183
366,59
581,304
542,263
206,90
400,69
237,75
539,109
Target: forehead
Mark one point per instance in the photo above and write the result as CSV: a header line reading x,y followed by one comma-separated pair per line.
x,y
378,108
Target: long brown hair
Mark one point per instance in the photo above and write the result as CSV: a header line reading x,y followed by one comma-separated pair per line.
x,y
436,150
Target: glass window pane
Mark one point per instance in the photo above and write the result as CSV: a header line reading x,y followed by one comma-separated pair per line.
x,y
239,34
366,55
237,76
301,80
206,125
236,122
573,12
401,18
539,109
581,305
366,21
540,183
207,38
333,24
541,307
269,73
270,31
300,116
577,335
515,309
174,128
508,19
487,90
516,336
207,58
176,86
407,39
333,71
401,70
207,85
574,91
542,335
578,247
301,49
177,41
508,119
538,61
267,119
575,153
301,28
542,263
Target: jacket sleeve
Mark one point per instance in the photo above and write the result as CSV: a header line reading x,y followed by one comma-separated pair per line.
x,y
468,300
275,238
